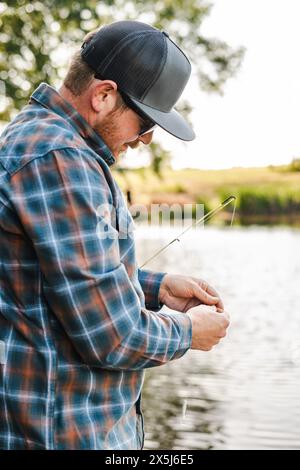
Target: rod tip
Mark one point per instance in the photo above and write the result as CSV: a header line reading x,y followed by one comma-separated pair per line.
x,y
229,199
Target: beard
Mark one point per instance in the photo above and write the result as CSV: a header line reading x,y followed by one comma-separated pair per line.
x,y
109,131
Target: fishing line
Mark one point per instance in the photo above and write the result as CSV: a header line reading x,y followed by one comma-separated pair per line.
x,y
205,218
233,212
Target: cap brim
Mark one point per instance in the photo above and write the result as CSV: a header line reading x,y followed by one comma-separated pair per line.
x,y
171,122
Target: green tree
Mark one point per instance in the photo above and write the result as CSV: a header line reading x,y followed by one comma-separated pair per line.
x,y
32,33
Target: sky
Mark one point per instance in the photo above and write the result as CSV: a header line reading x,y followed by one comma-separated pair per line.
x,y
256,121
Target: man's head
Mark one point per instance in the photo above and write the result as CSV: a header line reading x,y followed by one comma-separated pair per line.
x,y
129,76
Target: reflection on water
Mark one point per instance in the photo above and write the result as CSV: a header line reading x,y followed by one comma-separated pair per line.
x,y
245,393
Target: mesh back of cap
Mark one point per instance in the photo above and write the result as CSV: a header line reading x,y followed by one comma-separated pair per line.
x,y
131,55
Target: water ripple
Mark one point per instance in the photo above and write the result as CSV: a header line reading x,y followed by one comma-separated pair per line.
x,y
245,393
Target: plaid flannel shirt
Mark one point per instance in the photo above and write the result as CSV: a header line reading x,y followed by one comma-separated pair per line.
x,y
79,322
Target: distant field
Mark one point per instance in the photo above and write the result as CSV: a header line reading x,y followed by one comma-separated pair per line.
x,y
260,191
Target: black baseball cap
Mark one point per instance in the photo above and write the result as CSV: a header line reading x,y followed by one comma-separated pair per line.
x,y
147,66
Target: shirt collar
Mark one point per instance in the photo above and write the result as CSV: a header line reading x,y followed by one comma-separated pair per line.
x,y
48,97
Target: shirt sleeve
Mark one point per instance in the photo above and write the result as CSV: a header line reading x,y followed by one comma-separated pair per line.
x,y
57,198
150,282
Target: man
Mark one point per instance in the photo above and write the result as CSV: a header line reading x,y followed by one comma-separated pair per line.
x,y
79,322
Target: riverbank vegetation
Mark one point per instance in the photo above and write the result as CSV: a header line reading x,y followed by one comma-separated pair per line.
x,y
263,194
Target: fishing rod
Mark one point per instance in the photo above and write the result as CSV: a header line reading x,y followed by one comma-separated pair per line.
x,y
205,218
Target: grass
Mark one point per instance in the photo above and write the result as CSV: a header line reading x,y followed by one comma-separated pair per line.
x,y
261,192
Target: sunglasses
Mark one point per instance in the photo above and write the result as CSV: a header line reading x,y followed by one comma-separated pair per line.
x,y
147,125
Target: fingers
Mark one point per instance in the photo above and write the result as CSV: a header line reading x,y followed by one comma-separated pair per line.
x,y
226,317
204,296
208,326
213,308
210,291
220,304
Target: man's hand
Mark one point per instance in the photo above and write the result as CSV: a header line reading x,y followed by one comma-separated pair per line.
x,y
208,326
183,292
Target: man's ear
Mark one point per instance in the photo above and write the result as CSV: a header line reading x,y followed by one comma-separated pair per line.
x,y
104,96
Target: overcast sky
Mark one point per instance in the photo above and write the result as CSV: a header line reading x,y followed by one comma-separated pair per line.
x,y
256,122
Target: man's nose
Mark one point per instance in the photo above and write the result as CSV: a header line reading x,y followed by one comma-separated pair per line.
x,y
146,138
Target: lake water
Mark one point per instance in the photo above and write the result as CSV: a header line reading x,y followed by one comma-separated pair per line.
x,y
245,393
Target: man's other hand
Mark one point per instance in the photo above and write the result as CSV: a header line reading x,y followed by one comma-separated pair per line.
x,y
209,326
181,293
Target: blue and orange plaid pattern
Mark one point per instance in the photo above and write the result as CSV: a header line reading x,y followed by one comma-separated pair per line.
x,y
79,322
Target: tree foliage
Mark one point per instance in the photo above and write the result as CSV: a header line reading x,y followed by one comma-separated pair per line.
x,y
34,33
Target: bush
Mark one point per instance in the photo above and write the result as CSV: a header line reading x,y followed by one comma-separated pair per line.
x,y
294,165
